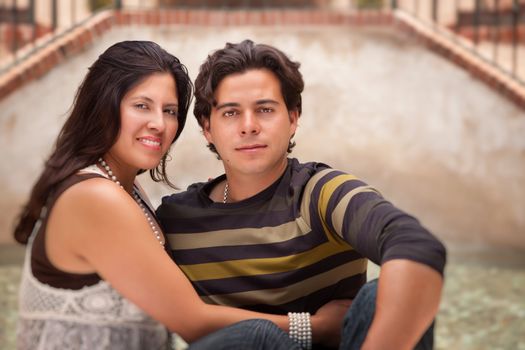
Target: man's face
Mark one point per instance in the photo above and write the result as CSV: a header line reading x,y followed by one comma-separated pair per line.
x,y
250,125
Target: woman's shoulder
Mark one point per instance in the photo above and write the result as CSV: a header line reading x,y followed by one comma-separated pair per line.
x,y
97,209
96,195
93,186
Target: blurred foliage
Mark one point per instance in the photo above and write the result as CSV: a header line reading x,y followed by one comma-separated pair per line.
x,y
239,3
95,5
369,4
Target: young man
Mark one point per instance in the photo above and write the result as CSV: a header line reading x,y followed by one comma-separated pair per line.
x,y
276,235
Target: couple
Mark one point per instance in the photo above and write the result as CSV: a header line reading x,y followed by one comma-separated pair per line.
x,y
271,255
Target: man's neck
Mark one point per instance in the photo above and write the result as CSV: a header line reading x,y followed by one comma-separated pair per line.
x,y
243,186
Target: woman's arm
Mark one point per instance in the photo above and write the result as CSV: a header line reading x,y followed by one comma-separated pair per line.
x,y
96,227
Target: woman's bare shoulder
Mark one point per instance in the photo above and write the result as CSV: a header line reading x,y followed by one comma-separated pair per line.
x,y
94,191
93,202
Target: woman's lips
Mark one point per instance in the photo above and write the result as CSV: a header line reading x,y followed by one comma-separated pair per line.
x,y
150,142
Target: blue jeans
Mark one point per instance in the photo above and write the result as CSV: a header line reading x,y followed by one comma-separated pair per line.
x,y
359,318
262,334
247,335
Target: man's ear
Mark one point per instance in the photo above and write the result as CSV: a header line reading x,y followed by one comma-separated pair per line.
x,y
294,121
206,129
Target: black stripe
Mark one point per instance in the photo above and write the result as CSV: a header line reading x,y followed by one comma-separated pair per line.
x,y
357,214
315,222
368,229
344,289
254,251
273,280
217,219
338,194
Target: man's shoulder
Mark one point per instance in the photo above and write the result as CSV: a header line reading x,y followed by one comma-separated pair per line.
x,y
183,196
307,168
312,176
301,173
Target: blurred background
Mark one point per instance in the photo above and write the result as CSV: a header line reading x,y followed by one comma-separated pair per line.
x,y
424,99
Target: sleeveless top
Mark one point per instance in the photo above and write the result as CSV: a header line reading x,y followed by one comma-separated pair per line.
x,y
94,316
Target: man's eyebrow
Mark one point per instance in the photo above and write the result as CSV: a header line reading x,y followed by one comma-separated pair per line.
x,y
227,104
265,101
235,104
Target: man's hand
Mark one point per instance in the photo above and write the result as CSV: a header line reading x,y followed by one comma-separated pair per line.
x,y
327,322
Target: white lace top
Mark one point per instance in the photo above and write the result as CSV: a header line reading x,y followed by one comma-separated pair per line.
x,y
94,317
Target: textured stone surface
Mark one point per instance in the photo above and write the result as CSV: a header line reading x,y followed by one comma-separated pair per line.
x,y
435,141
9,280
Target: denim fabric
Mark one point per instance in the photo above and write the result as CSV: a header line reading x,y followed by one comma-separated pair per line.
x,y
262,334
359,318
250,334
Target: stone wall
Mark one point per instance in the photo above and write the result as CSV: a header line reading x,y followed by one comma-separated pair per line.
x,y
424,129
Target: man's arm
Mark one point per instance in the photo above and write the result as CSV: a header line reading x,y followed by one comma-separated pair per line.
x,y
408,298
412,260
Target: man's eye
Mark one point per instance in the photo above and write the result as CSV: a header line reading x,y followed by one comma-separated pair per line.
x,y
229,113
266,110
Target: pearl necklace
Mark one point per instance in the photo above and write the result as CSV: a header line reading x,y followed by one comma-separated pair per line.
x,y
225,194
151,222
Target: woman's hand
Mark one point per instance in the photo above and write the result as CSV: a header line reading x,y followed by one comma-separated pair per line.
x,y
328,322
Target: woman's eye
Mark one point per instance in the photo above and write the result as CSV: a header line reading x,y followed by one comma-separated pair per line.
x,y
141,106
172,112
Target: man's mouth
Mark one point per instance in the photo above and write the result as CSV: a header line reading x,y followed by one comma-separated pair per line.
x,y
250,147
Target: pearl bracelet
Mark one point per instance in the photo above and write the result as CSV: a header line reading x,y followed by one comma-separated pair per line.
x,y
300,329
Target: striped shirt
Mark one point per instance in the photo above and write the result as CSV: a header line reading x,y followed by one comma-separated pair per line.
x,y
298,244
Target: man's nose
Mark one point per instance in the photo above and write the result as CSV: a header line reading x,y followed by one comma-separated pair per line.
x,y
250,124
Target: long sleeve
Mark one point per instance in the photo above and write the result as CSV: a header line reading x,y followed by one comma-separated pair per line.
x,y
357,213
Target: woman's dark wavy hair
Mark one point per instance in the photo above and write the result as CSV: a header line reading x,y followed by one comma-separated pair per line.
x,y
94,122
238,58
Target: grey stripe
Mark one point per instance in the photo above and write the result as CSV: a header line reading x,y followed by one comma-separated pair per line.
x,y
339,213
239,237
291,292
307,194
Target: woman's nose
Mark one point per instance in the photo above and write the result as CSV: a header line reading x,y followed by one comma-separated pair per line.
x,y
156,121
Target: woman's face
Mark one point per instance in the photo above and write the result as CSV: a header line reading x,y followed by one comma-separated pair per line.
x,y
148,116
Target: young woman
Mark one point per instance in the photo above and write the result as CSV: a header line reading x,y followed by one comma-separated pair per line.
x,y
96,274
